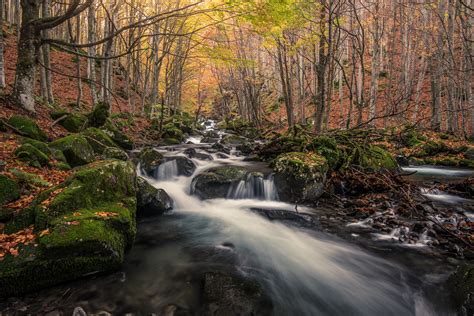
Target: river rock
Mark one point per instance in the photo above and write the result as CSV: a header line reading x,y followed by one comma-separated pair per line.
x,y
84,226
300,177
150,200
149,159
286,216
216,182
193,153
461,286
226,294
185,166
221,147
234,140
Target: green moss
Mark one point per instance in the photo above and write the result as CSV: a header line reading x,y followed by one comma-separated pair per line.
x,y
374,158
105,181
229,173
75,148
149,159
32,155
9,190
20,220
117,136
327,147
99,115
170,130
115,153
27,127
302,166
98,139
28,179
36,143
72,122
62,165
170,141
234,140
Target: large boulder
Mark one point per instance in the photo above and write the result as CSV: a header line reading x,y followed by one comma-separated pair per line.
x,y
150,200
72,122
232,295
184,166
9,190
75,148
149,159
99,115
216,182
98,139
193,153
300,177
83,226
27,127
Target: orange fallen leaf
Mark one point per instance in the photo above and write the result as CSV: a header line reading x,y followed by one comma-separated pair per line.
x,y
44,232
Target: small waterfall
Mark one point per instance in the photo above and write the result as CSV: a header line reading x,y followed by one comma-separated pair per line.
x,y
254,186
167,170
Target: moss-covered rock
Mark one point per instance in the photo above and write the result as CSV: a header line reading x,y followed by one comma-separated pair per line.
x,y
170,141
150,200
72,122
234,140
38,144
149,159
32,155
371,157
469,153
9,190
116,135
86,225
98,139
27,127
115,153
75,148
300,177
171,131
216,182
99,115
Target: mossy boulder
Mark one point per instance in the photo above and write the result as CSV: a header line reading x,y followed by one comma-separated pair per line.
x,y
36,143
431,148
27,127
9,190
170,141
370,157
72,122
171,131
150,200
116,135
216,182
99,115
75,148
149,159
83,226
98,139
32,155
115,153
300,177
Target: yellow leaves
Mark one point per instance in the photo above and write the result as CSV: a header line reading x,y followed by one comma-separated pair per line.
x,y
106,214
76,214
44,232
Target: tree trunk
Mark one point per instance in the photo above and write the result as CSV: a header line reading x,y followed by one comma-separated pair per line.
x,y
2,67
46,56
24,89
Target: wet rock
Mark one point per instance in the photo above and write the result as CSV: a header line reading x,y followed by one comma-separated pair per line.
x,y
246,148
300,177
150,200
234,140
285,215
216,182
461,287
185,166
149,159
253,158
222,155
225,294
221,147
192,153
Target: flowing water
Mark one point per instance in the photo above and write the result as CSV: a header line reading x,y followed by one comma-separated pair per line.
x,y
304,271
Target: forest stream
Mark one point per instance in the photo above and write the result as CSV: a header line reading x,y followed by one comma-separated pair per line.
x,y
302,266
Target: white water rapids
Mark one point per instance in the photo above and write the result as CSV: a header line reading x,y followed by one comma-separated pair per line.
x,y
305,272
